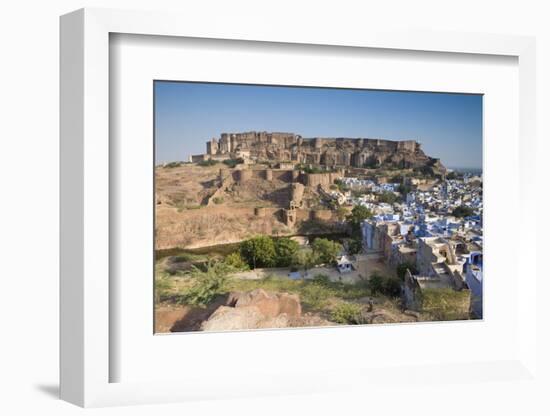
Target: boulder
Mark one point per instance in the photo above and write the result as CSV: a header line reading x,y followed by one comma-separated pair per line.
x,y
256,309
280,321
232,298
269,304
310,320
226,318
290,304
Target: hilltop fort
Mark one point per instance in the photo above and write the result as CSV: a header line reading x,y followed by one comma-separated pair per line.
x,y
280,184
323,151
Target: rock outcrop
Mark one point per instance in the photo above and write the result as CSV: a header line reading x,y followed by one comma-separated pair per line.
x,y
259,309
226,318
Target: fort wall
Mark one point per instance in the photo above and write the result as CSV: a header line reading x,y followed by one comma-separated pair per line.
x,y
323,179
283,175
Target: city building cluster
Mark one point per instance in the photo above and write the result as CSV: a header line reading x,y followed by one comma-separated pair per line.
x,y
435,228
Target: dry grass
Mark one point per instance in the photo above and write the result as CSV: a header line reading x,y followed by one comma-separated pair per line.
x,y
445,305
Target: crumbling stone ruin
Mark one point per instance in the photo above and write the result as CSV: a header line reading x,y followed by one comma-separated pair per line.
x,y
411,295
329,152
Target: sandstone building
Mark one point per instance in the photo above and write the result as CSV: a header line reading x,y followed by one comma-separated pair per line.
x,y
330,152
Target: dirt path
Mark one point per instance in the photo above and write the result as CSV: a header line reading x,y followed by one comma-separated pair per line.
x,y
364,267
178,318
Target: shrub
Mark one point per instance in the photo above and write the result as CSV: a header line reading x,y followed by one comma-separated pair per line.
x,y
341,186
258,251
347,313
321,279
235,261
207,284
388,286
311,169
314,296
391,287
217,200
208,162
376,283
163,287
173,165
185,256
233,162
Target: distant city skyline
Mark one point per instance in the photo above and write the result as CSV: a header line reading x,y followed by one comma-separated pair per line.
x,y
187,115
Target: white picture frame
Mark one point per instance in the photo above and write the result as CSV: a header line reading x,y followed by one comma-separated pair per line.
x,y
86,305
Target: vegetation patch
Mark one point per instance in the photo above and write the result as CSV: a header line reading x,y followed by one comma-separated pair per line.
x,y
446,304
402,268
463,211
172,165
206,163
388,286
358,214
388,197
347,313
233,162
217,200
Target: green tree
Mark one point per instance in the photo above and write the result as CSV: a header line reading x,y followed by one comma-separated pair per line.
x,y
341,213
258,251
285,249
326,250
463,211
304,258
404,189
355,245
387,197
358,214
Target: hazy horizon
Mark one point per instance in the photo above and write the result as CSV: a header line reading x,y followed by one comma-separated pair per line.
x,y
187,115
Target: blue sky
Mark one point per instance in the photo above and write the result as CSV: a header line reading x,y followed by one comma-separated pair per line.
x,y
448,126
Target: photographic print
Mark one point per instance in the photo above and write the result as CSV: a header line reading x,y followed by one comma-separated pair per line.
x,y
294,207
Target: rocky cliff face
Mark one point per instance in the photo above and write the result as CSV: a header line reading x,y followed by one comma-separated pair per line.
x,y
352,152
